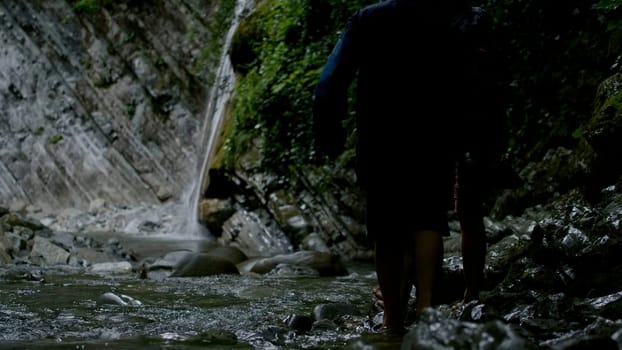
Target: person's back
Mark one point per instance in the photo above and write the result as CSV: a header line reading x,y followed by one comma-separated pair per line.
x,y
412,90
406,76
423,97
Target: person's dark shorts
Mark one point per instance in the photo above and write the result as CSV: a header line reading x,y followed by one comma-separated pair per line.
x,y
469,188
411,200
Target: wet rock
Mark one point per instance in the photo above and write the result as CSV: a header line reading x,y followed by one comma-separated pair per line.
x,y
332,311
599,334
93,256
324,325
168,261
288,214
603,132
112,267
314,241
45,252
15,220
4,254
121,299
299,323
327,264
214,212
292,270
608,306
435,331
214,337
232,254
203,264
254,236
588,343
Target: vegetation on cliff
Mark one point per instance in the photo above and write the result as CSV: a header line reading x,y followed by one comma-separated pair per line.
x,y
557,54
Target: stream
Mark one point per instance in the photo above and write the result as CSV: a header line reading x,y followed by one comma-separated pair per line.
x,y
62,307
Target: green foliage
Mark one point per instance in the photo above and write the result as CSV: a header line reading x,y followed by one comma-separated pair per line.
x,y
89,6
557,53
55,139
131,110
217,26
279,51
608,5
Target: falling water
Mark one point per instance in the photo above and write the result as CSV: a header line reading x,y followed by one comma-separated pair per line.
x,y
220,93
172,219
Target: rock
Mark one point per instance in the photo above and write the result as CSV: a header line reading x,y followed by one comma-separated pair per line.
x,y
114,267
232,254
94,256
44,251
214,212
4,255
327,264
13,220
313,241
254,236
203,264
331,311
114,299
18,206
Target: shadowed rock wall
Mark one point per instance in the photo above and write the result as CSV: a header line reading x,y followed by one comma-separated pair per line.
x,y
102,106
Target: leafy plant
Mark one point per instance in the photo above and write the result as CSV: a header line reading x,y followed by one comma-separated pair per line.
x,y
556,54
55,139
279,52
218,25
131,110
89,6
608,5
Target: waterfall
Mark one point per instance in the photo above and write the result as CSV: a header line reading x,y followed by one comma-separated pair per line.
x,y
101,174
220,94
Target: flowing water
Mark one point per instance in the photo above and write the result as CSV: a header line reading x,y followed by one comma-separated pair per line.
x,y
61,308
220,94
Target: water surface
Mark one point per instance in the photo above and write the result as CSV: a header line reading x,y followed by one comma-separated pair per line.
x,y
61,307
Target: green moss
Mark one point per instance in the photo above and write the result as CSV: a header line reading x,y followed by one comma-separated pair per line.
x,y
606,122
55,139
279,52
89,7
217,27
131,110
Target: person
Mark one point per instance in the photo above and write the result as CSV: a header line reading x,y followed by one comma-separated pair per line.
x,y
428,113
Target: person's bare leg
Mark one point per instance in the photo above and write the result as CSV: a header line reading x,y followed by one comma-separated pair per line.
x,y
428,258
408,272
473,254
389,268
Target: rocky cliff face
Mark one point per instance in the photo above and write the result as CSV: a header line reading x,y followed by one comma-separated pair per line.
x,y
103,107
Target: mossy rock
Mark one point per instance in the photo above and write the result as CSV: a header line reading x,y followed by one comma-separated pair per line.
x,y
604,131
605,128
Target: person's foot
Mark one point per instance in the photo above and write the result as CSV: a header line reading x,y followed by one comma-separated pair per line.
x,y
392,331
377,293
470,295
